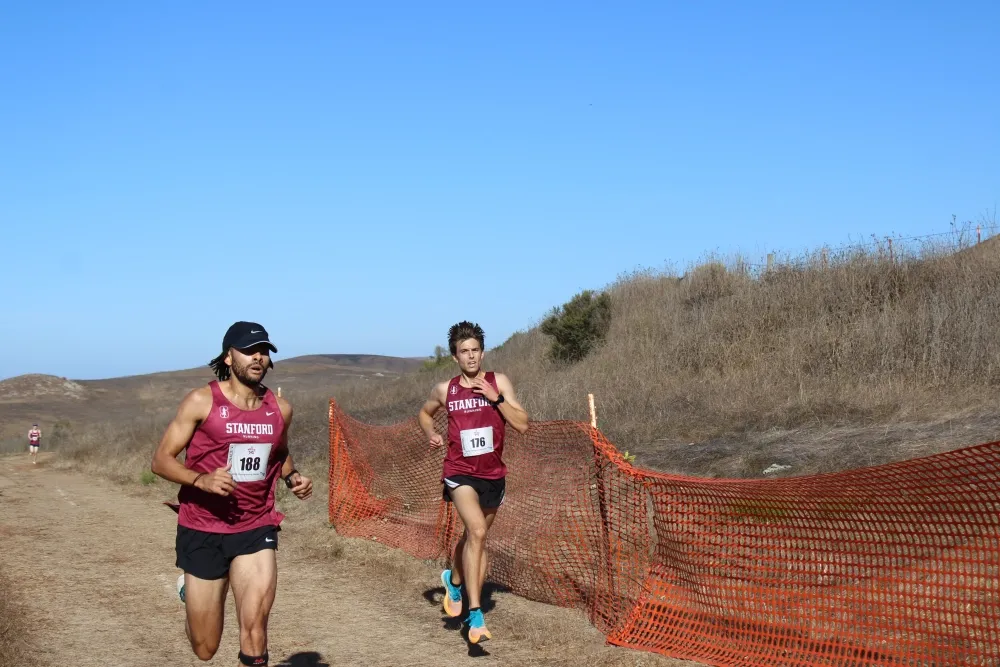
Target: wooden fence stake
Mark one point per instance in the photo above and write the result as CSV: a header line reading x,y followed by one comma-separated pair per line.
x,y
593,411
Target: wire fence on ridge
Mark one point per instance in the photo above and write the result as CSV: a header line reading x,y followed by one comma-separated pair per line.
x,y
891,565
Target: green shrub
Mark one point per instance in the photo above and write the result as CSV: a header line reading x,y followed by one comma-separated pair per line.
x,y
578,326
147,477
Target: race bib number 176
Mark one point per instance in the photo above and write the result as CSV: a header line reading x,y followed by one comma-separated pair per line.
x,y
477,441
248,461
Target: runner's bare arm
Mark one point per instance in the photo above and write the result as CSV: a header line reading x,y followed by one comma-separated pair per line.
x,y
426,414
301,485
511,410
192,411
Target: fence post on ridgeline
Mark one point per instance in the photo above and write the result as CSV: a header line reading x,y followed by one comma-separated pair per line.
x,y
770,261
825,259
593,411
979,234
892,257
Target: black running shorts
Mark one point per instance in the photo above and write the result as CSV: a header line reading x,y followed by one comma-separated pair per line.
x,y
208,555
491,491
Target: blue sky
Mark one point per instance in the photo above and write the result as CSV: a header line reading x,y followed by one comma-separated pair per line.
x,y
359,178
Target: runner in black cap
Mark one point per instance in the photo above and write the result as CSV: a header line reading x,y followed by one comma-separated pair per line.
x,y
242,336
234,433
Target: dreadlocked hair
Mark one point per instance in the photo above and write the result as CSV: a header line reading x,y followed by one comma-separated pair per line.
x,y
219,367
464,331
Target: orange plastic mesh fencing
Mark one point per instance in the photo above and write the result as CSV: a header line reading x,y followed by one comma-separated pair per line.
x,y
891,565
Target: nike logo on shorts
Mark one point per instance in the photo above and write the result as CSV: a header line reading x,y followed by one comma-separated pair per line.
x,y
268,539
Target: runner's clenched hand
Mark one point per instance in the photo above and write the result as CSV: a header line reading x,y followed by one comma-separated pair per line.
x,y
219,482
485,389
302,486
435,440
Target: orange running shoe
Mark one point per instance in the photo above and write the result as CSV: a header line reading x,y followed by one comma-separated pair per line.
x,y
477,627
452,601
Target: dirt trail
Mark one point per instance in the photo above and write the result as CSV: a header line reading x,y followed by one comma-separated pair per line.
x,y
95,567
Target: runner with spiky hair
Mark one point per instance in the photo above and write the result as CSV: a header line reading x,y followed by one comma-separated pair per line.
x,y
479,405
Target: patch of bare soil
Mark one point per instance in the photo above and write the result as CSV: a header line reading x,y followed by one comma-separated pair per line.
x,y
95,565
15,650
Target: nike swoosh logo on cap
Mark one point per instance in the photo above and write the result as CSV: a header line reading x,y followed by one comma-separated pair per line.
x,y
256,332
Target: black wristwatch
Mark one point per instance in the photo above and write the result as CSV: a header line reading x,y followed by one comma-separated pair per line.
x,y
288,478
496,403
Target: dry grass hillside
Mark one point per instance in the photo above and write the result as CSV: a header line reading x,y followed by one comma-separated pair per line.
x,y
831,361
825,362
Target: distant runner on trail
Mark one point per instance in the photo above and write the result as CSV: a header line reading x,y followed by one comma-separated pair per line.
x,y
479,405
34,441
235,431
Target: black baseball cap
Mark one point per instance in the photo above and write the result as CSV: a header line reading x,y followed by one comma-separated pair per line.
x,y
245,334
242,335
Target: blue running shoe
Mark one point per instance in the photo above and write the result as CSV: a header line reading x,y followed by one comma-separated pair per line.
x,y
452,595
477,627
180,588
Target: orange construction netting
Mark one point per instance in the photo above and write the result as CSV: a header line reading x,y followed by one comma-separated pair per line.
x,y
897,564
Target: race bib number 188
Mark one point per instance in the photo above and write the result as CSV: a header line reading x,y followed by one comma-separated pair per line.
x,y
477,441
248,461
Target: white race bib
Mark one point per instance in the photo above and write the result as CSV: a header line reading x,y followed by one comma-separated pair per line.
x,y
477,441
248,461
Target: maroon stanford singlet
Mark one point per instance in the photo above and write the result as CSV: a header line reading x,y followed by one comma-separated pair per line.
x,y
475,433
252,441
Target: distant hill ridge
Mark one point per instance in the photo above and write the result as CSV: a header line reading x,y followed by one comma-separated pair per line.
x,y
45,383
48,398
